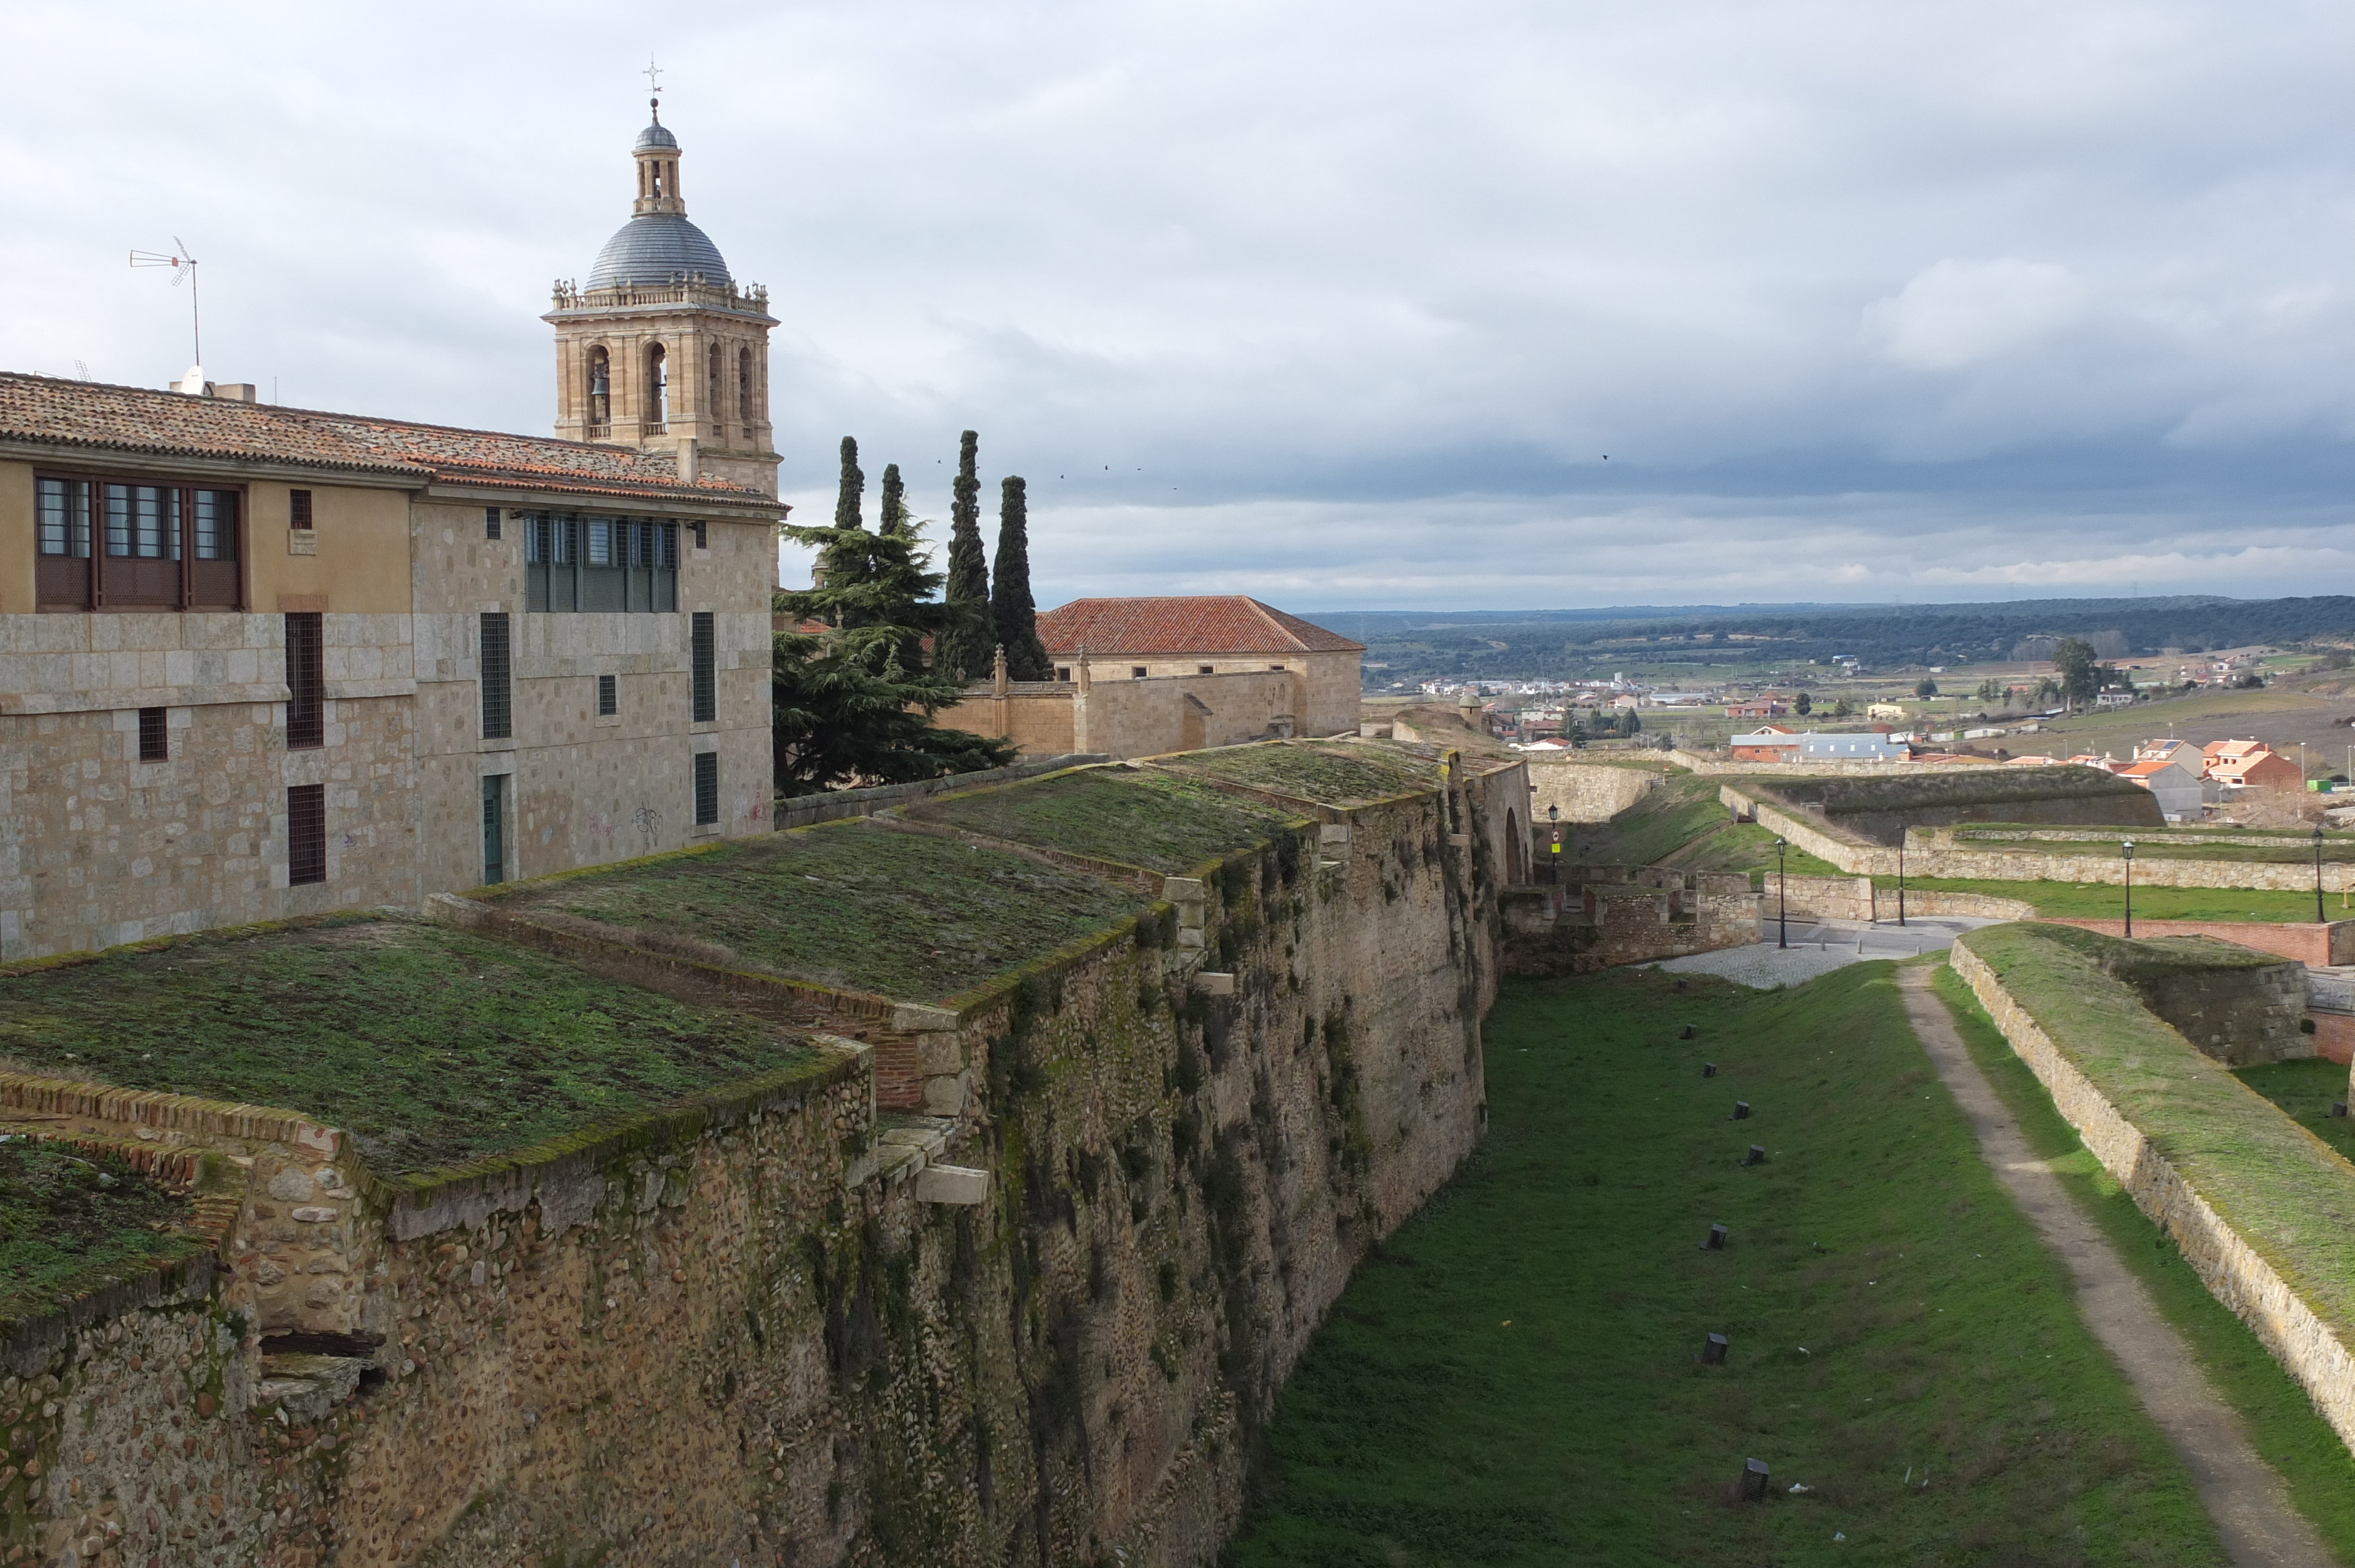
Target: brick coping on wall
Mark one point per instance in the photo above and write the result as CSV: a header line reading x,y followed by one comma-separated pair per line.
x,y
2308,1348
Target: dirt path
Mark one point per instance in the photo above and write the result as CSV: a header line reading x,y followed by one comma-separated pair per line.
x,y
2243,1494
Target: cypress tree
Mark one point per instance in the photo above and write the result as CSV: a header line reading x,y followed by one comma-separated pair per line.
x,y
854,486
895,501
964,649
1011,608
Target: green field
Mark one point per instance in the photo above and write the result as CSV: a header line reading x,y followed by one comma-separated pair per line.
x,y
2280,1420
846,904
431,1046
2097,901
2306,1090
1513,1381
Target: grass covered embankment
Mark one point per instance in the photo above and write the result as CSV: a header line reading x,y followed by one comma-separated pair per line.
x,y
846,904
1513,1381
1142,817
2280,1420
430,1046
2106,901
72,1220
1682,824
1339,775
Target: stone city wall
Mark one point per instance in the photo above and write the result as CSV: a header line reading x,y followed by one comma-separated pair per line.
x,y
2235,1274
1585,793
779,1326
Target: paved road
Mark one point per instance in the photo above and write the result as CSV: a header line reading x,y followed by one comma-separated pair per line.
x,y
1818,947
2241,1493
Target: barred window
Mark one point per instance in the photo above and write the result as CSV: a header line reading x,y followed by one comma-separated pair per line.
x,y
577,563
298,509
117,544
490,521
498,715
609,695
705,677
64,510
706,787
306,681
306,834
154,735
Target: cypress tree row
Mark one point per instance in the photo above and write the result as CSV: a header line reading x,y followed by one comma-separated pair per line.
x,y
964,649
1012,610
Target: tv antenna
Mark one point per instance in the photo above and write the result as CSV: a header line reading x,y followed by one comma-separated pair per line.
x,y
183,269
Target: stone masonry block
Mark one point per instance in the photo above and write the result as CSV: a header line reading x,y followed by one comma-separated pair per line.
x,y
952,1184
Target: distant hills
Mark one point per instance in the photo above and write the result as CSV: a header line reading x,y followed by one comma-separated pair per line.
x,y
1424,645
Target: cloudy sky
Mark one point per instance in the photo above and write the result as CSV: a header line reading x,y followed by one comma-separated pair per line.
x,y
1480,304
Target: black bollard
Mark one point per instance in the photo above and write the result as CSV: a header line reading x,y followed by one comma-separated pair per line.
x,y
1716,1242
1709,1069
1742,1110
2338,1108
1688,1033
1712,1350
1754,1481
1681,984
1757,1155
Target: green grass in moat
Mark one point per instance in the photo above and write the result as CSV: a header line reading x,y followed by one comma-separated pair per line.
x,y
2306,1090
1513,1381
849,904
432,1047
2098,901
2280,1420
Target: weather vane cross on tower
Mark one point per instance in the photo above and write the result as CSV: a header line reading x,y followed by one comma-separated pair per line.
x,y
653,80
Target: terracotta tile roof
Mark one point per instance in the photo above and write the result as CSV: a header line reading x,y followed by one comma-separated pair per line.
x,y
1211,623
57,412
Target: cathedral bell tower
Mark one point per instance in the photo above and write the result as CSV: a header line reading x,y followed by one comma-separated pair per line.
x,y
660,350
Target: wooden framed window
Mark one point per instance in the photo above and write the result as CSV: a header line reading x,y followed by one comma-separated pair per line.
x,y
154,735
306,681
123,544
704,678
298,509
306,834
498,693
706,787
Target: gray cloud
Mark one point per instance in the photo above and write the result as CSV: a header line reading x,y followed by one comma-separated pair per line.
x,y
1342,304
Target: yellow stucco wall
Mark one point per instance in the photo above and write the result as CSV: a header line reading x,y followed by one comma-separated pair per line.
x,y
16,541
357,560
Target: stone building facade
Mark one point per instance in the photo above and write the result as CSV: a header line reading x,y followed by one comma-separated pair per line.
x,y
258,662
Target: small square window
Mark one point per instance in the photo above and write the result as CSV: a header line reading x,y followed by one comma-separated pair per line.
x,y
1136,672
298,509
154,735
701,542
490,521
1062,672
609,695
1203,669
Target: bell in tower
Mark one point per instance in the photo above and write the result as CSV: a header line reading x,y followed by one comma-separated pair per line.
x,y
660,350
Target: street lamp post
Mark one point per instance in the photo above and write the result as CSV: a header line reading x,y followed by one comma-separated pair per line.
x,y
2318,917
1781,903
2129,847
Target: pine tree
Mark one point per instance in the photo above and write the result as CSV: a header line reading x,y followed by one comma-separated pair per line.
x,y
1012,610
965,648
854,704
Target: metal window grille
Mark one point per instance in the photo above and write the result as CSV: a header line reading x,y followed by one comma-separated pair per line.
x,y
154,735
306,681
298,509
609,695
490,521
705,681
498,708
706,787
306,834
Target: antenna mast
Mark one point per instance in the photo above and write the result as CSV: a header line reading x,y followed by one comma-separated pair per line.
x,y
183,269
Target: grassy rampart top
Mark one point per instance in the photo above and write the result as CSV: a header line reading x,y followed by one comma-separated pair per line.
x,y
2152,843
848,905
2148,959
1347,774
1143,817
1934,791
2286,1194
431,1046
72,1220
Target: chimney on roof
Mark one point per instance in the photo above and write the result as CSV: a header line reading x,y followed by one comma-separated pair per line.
x,y
235,391
687,462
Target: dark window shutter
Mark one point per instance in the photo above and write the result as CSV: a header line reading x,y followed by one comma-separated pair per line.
x,y
298,508
706,678
706,787
306,834
499,714
306,681
154,735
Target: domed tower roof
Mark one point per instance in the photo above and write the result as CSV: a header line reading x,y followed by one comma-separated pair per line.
x,y
657,247
657,134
